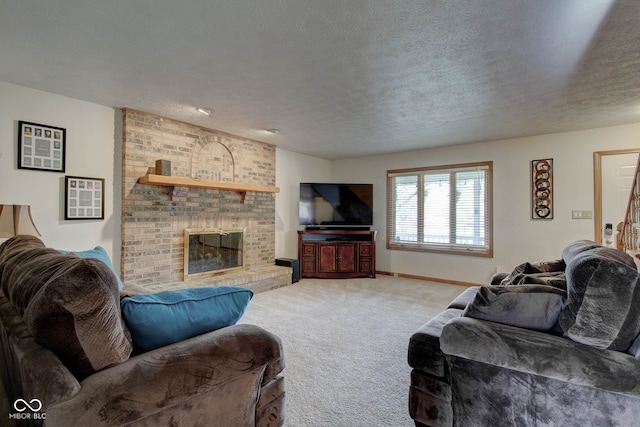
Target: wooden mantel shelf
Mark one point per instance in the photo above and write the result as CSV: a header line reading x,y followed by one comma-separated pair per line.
x,y
178,181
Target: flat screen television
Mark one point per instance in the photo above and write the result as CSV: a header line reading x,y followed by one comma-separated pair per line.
x,y
327,204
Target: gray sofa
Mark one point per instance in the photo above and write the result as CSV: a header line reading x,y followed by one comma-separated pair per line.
x,y
550,344
67,358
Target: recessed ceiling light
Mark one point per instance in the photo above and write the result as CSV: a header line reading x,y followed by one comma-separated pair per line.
x,y
204,110
274,131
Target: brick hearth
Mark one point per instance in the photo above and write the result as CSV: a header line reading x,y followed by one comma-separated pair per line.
x,y
154,218
258,279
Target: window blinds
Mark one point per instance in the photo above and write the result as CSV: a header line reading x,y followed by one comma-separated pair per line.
x,y
446,207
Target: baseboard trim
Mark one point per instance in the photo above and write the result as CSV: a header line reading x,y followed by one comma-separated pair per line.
x,y
428,279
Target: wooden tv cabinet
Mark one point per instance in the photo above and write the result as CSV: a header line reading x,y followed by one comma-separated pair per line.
x,y
333,254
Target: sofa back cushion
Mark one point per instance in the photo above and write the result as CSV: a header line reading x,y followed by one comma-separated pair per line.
x,y
534,307
15,246
100,253
580,247
69,304
549,273
603,305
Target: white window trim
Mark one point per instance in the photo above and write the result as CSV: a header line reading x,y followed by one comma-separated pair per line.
x,y
481,251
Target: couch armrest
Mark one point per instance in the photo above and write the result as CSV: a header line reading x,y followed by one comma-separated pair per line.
x,y
230,364
541,354
28,369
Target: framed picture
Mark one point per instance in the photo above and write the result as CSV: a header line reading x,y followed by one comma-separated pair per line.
x,y
84,198
41,147
542,189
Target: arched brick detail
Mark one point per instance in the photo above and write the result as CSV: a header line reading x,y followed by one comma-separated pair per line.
x,y
212,160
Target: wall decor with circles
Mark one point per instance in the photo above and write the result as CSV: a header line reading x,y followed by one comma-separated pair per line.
x,y
542,189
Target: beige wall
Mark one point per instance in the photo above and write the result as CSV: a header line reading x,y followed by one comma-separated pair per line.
x,y
292,169
90,153
517,237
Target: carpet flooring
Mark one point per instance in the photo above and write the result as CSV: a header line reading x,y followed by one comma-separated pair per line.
x,y
345,344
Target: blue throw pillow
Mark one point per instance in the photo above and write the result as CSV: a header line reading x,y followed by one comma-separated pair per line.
x,y
156,320
98,253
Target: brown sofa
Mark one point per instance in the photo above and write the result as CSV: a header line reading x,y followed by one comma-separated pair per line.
x,y
66,355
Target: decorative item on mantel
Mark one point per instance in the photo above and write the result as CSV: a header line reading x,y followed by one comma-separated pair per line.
x,y
17,219
163,167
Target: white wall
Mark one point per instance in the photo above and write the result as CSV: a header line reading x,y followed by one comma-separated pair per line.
x,y
89,153
292,169
517,237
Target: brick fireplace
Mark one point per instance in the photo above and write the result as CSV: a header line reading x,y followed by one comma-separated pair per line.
x,y
154,217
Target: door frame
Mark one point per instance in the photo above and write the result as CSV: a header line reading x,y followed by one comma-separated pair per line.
x,y
597,186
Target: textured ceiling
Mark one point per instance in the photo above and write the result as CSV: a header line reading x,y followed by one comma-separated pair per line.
x,y
338,78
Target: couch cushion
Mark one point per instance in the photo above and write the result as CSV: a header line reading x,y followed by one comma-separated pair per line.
x,y
580,247
541,354
527,306
156,320
541,273
21,241
576,248
603,307
69,304
98,253
13,247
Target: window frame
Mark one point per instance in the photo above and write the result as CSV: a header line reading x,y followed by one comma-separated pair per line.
x,y
454,249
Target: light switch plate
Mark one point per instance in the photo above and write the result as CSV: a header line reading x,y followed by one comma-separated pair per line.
x,y
581,214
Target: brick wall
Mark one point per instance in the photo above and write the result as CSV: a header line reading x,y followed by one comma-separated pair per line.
x,y
154,218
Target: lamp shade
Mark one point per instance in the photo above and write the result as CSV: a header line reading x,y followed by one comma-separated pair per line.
x,y
16,219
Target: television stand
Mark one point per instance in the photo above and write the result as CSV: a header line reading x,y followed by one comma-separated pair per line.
x,y
337,228
333,254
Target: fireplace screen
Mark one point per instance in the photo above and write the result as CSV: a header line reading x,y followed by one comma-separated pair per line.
x,y
210,251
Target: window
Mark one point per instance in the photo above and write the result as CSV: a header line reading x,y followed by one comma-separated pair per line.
x,y
444,209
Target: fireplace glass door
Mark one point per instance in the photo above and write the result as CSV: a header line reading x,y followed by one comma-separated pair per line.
x,y
212,251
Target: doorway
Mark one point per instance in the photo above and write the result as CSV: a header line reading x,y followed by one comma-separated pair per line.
x,y
613,176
